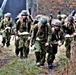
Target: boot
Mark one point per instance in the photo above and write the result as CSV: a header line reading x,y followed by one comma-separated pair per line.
x,y
50,66
21,53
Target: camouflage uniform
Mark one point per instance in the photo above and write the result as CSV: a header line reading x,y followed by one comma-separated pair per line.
x,y
6,27
56,35
40,35
22,43
70,29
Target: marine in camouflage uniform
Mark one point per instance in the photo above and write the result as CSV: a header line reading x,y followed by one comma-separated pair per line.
x,y
57,38
6,28
40,35
23,24
69,29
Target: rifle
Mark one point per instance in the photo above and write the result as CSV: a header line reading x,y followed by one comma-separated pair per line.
x,y
29,11
30,14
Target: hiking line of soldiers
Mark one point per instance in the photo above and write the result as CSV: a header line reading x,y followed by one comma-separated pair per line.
x,y
39,32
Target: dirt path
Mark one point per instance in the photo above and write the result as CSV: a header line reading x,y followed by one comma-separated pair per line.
x,y
59,63
5,56
8,54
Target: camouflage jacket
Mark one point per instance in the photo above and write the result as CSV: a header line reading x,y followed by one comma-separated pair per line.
x,y
23,26
69,29
5,23
42,32
57,35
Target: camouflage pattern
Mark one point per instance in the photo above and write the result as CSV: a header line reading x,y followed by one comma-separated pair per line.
x,y
22,42
40,52
70,30
43,33
56,36
6,28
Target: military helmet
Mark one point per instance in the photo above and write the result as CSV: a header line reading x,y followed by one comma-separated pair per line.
x,y
59,17
8,15
57,23
43,20
70,19
38,17
24,13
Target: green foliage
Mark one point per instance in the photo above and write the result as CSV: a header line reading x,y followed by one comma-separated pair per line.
x,y
21,67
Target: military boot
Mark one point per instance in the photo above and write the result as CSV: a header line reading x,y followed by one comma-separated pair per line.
x,y
3,42
50,66
8,43
21,53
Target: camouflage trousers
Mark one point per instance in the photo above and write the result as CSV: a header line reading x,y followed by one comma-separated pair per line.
x,y
6,38
22,46
40,52
68,47
51,53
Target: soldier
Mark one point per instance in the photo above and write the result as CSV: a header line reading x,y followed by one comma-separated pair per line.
x,y
23,25
40,35
6,26
35,21
56,39
69,29
63,18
